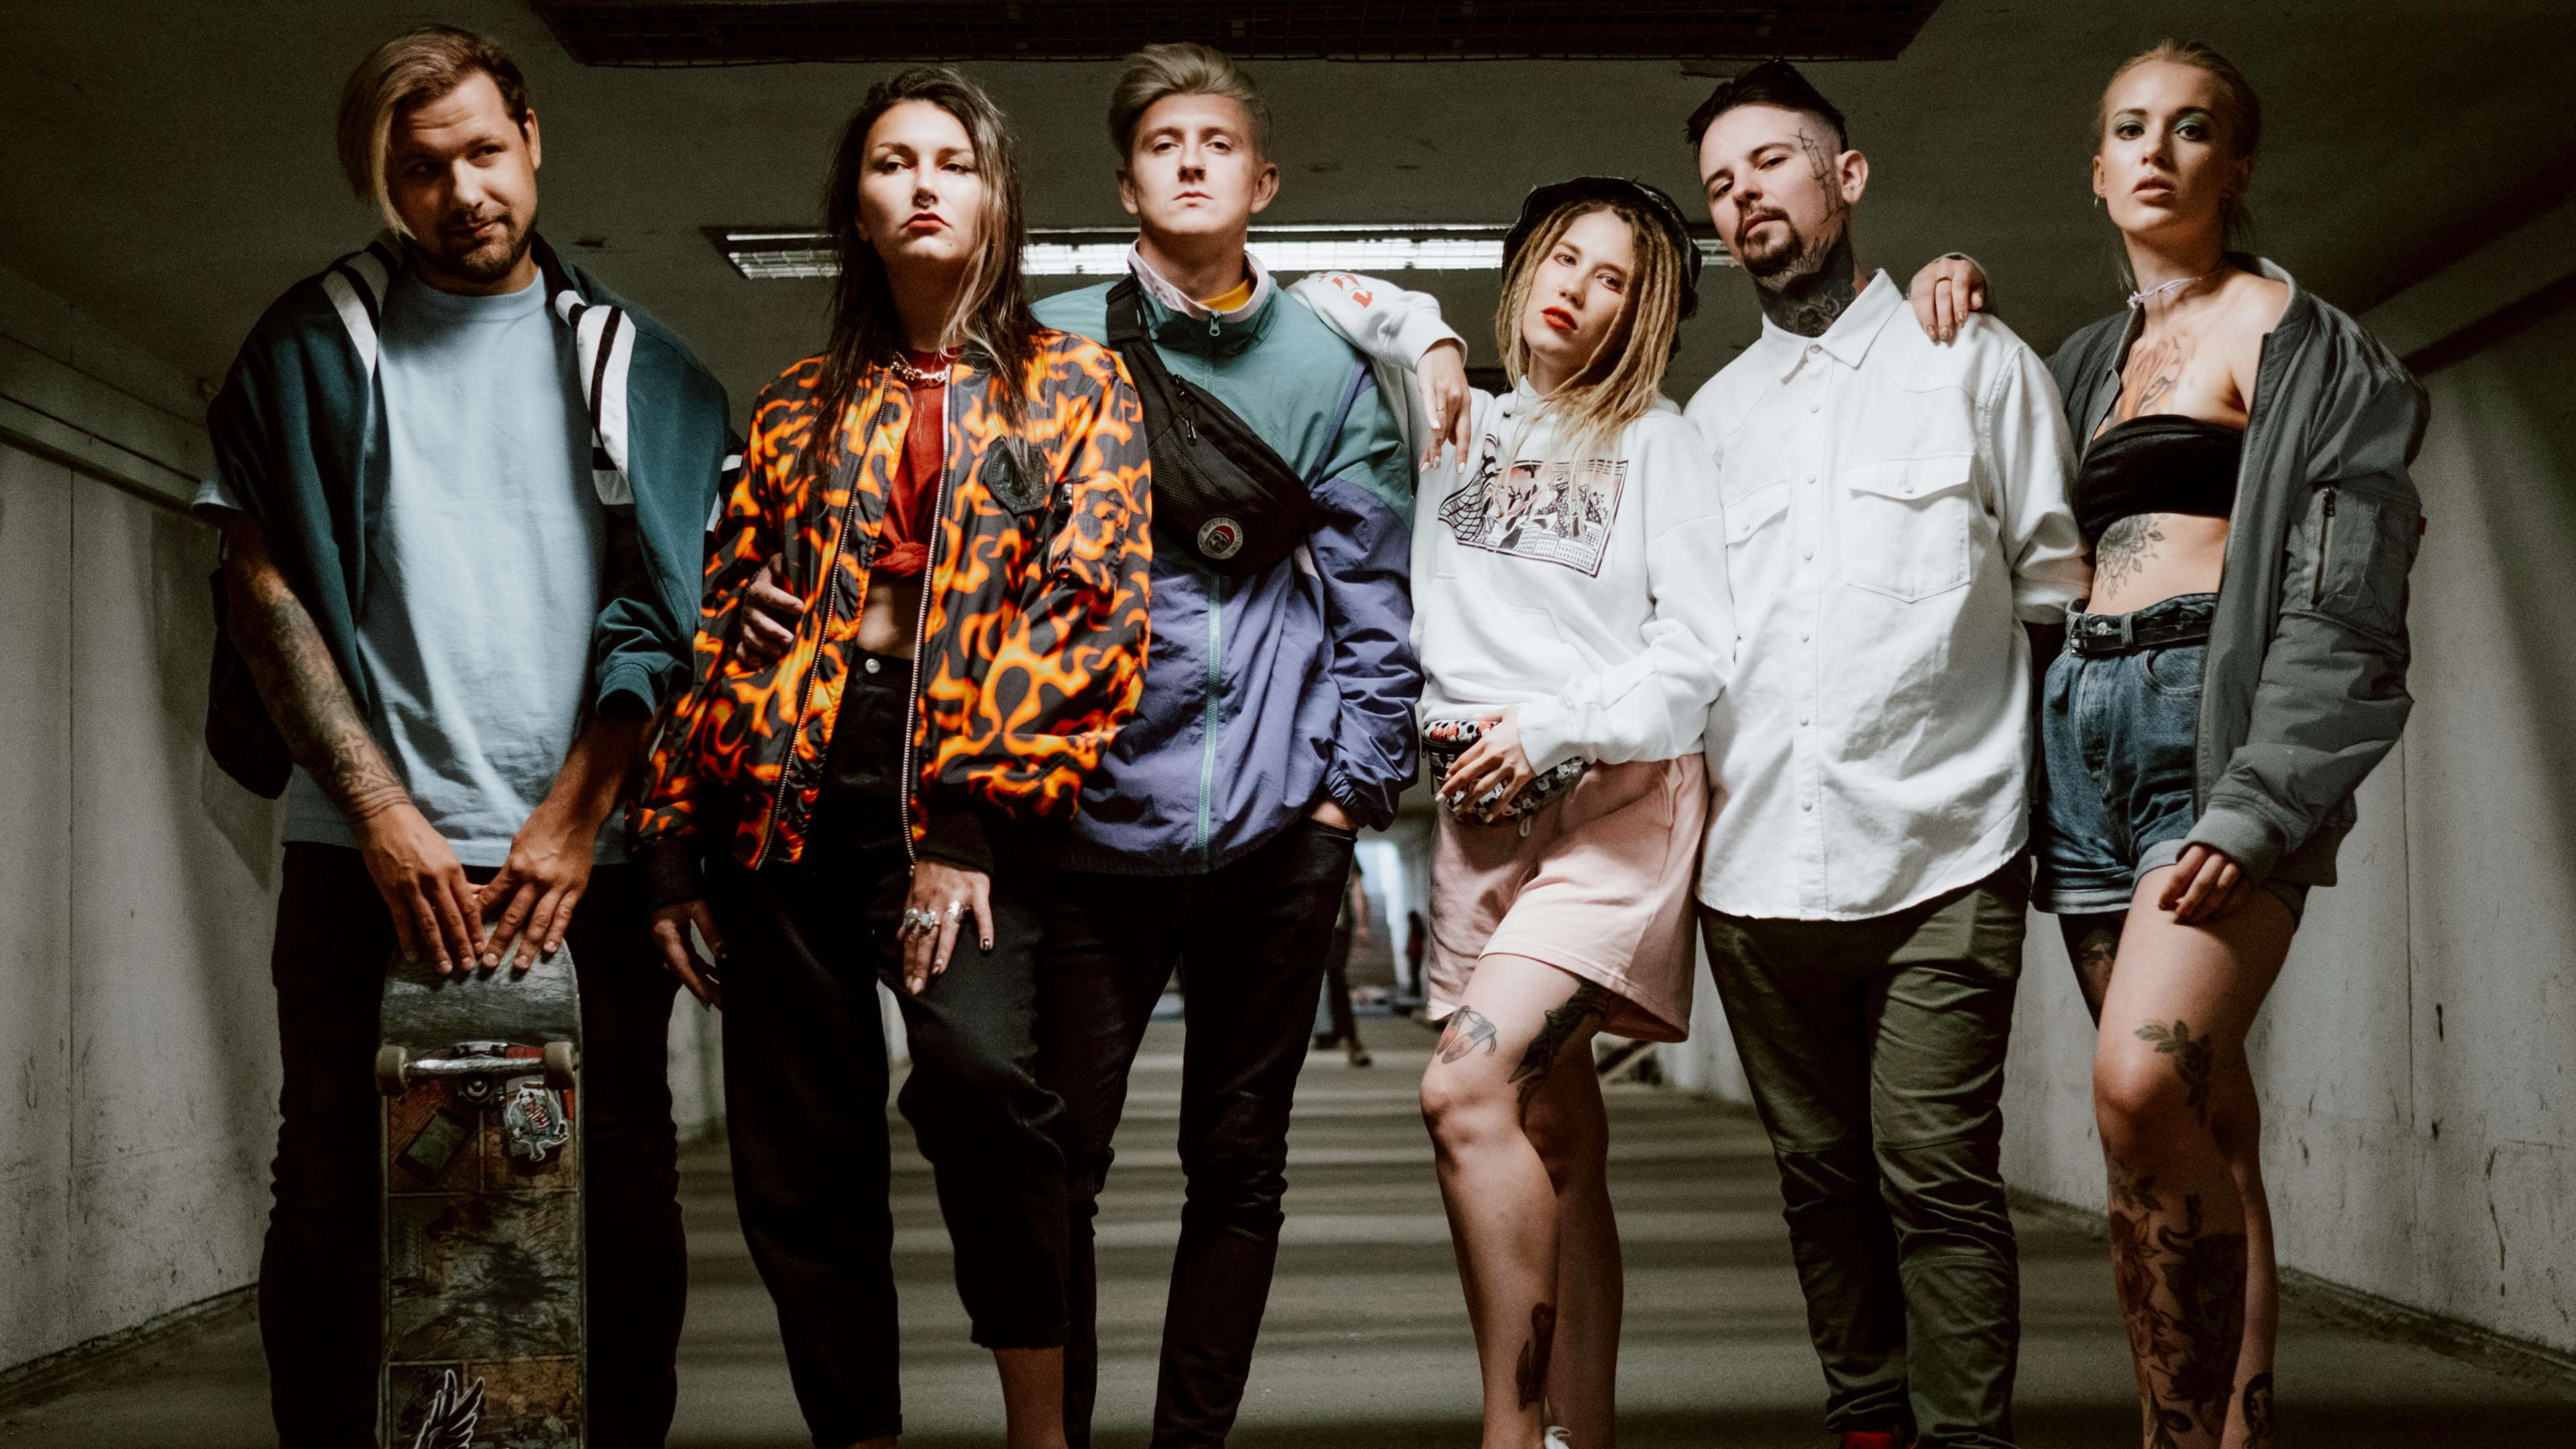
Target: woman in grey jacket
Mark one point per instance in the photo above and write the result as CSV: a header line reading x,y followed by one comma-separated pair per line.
x,y
2202,739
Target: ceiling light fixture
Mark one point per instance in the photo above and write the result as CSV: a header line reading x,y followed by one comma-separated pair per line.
x,y
780,254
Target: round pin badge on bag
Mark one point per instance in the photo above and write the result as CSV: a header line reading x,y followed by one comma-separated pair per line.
x,y
1220,537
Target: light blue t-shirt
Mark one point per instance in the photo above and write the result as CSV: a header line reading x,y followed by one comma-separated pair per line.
x,y
486,553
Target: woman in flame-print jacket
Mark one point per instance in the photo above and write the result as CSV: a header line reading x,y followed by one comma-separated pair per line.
x,y
951,504
1033,624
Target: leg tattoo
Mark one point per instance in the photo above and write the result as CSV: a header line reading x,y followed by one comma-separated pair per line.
x,y
2195,1057
1532,1376
1467,1028
1588,1003
2258,1412
2094,943
2182,1290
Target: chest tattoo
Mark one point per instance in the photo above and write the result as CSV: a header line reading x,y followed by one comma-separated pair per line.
x,y
2154,371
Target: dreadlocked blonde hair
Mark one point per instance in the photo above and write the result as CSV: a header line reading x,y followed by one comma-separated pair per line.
x,y
1625,379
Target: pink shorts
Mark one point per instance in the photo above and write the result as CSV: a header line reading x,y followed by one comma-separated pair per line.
x,y
1600,887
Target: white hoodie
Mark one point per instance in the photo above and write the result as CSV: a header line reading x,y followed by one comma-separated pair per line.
x,y
1591,596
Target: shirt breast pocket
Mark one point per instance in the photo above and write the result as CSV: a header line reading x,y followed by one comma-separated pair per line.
x,y
1754,509
1908,526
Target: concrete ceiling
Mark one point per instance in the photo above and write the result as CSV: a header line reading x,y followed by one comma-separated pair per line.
x,y
171,166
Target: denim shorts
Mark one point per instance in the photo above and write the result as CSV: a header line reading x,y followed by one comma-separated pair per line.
x,y
2118,737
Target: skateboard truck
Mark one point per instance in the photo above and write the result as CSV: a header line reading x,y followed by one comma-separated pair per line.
x,y
481,1063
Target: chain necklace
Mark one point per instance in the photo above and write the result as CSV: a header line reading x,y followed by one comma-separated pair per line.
x,y
916,377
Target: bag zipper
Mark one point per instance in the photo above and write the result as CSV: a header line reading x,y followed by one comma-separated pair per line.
x,y
805,688
921,620
2325,539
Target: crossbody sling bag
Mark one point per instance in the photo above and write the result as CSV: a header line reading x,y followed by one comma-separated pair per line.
x,y
1222,497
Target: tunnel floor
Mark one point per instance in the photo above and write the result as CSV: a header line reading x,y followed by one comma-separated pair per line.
x,y
1366,1343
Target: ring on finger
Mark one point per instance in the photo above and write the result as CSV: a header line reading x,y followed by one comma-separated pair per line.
x,y
956,909
917,921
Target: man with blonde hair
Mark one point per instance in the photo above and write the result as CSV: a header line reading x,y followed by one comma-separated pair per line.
x,y
1277,718
463,492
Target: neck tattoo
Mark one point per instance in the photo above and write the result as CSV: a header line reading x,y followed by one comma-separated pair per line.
x,y
1809,296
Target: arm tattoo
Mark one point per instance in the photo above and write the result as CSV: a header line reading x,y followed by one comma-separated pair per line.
x,y
1588,1003
1468,1028
2127,547
2182,1291
2195,1057
307,698
1535,1352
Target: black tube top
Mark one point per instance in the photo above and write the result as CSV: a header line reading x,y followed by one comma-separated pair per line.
x,y
2157,463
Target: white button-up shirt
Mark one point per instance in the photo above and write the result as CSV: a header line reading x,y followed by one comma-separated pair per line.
x,y
1894,510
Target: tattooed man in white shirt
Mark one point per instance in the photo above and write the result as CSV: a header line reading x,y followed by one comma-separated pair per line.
x,y
1896,516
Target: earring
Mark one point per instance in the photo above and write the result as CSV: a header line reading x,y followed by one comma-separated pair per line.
x,y
2097,201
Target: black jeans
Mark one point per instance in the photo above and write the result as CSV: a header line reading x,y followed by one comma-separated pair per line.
x,y
320,1281
805,1086
1252,939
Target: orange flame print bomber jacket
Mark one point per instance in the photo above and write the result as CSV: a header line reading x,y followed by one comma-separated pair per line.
x,y
1033,623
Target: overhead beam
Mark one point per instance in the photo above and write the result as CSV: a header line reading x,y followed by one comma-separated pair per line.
x,y
776,32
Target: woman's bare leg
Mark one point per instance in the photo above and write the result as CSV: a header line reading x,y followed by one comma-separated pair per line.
x,y
2175,1103
1521,1022
1032,1397
2236,1119
1571,1129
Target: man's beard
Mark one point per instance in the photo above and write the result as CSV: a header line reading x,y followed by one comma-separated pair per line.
x,y
489,262
1803,283
1791,259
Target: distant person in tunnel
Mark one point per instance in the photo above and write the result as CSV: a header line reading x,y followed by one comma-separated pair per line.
x,y
462,586
945,512
1571,662
2237,672
1336,1024
1900,543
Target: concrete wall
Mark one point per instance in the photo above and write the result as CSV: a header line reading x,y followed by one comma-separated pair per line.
x,y
2414,1062
135,881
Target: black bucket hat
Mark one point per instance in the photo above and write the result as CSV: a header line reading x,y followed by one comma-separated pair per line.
x,y
1543,201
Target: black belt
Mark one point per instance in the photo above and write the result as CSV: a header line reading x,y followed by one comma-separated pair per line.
x,y
2094,635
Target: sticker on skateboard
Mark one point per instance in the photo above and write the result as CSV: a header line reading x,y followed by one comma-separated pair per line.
x,y
482,1173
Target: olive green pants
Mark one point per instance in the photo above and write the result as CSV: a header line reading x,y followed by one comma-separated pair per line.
x,y
1875,1050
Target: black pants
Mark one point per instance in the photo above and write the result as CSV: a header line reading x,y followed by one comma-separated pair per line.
x,y
320,1282
1252,938
805,1086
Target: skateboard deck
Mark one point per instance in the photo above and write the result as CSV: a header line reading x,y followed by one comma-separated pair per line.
x,y
482,1172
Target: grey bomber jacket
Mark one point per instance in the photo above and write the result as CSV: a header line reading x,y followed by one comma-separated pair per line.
x,y
2305,686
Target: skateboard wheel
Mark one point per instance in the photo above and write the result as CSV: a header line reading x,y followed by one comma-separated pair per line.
x,y
390,1061
561,1062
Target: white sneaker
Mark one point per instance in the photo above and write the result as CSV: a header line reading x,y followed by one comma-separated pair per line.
x,y
1556,1438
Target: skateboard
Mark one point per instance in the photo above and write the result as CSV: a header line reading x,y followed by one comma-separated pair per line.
x,y
482,1172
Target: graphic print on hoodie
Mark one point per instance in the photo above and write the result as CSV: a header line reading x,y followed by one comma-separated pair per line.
x,y
1550,512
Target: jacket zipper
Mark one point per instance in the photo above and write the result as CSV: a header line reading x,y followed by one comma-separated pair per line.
x,y
921,621
2325,542
805,688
